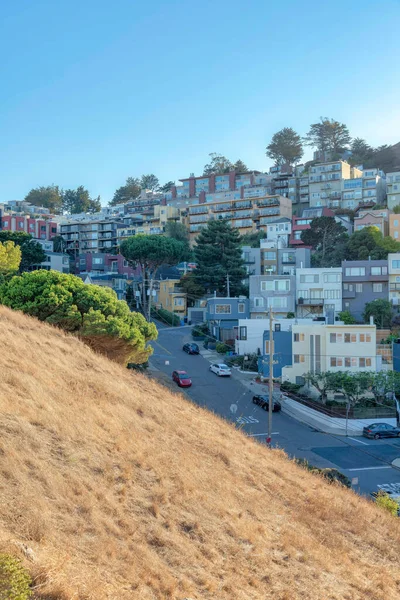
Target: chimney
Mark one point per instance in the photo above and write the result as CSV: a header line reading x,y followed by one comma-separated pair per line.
x,y
371,320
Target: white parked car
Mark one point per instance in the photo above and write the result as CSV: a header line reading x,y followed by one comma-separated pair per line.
x,y
220,369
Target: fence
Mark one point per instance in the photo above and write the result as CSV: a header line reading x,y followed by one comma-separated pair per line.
x,y
356,412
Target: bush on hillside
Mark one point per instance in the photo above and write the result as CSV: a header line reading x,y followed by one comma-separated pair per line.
x,y
222,348
166,317
292,388
91,312
251,364
14,579
387,503
331,475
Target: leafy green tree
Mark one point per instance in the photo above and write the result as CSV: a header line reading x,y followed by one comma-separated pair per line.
x,y
328,135
381,310
240,167
383,385
167,186
59,244
354,385
218,165
323,382
369,242
79,201
130,191
49,196
149,182
93,313
396,209
219,256
325,236
10,257
285,147
192,288
32,252
150,252
253,239
178,231
347,317
360,151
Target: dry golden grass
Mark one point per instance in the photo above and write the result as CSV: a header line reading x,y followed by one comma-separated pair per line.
x,y
123,489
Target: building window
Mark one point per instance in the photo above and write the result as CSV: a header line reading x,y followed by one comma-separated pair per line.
x,y
269,256
211,309
222,309
241,307
277,301
178,302
332,277
350,338
298,337
378,270
243,333
310,278
361,362
358,271
396,222
396,234
299,358
395,264
336,338
330,294
258,302
377,288
336,361
359,287
97,261
348,287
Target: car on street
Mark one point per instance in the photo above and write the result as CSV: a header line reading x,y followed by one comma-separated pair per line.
x,y
263,401
381,430
181,378
191,348
220,369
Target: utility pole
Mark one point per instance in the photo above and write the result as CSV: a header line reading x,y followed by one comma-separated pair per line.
x,y
227,286
270,380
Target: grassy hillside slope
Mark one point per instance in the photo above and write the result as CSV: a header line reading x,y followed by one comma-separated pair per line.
x,y
125,490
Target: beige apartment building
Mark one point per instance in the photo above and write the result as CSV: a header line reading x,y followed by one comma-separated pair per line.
x,y
325,182
245,214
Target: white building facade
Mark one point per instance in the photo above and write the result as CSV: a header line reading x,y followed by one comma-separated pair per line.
x,y
318,291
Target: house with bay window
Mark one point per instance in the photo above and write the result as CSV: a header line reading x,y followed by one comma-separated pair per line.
x,y
223,314
363,281
272,292
319,292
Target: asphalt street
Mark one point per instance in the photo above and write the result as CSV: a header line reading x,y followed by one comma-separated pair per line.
x,y
231,398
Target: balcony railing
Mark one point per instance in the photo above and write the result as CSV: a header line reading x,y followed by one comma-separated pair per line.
x,y
395,287
268,202
310,301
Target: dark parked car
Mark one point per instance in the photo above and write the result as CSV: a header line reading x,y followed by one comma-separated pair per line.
x,y
191,349
181,378
263,401
381,430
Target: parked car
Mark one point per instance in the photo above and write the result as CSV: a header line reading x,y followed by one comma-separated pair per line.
x,y
220,369
381,430
181,378
191,349
263,401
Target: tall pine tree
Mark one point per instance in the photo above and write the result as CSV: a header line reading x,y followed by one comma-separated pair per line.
x,y
218,255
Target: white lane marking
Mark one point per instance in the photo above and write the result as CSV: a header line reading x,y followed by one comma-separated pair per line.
x,y
369,468
242,420
260,434
359,441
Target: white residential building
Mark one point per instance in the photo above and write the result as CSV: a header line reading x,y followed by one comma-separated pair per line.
x,y
279,232
318,291
316,349
393,189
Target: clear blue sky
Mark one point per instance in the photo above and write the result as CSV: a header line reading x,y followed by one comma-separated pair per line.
x,y
95,91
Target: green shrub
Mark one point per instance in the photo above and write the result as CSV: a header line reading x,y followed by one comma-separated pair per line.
x,y
166,316
287,386
222,348
14,579
387,503
331,475
290,315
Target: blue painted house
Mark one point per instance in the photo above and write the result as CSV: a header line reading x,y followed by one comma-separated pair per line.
x,y
223,314
282,353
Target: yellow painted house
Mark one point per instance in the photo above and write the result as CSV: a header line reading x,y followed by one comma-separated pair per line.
x,y
171,297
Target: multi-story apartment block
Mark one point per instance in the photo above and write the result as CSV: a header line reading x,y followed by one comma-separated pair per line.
x,y
320,348
373,218
299,224
393,189
272,292
363,281
394,226
244,214
374,185
352,192
90,236
41,229
98,263
282,261
325,182
252,261
394,278
319,291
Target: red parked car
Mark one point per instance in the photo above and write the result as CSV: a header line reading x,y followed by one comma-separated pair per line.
x,y
181,378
